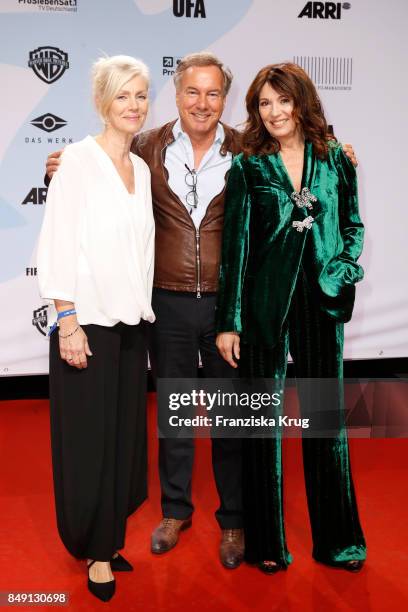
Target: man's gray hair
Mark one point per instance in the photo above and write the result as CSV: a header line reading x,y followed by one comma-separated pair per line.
x,y
202,59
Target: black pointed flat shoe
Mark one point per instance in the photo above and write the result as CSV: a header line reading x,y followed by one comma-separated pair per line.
x,y
269,567
120,564
352,566
102,590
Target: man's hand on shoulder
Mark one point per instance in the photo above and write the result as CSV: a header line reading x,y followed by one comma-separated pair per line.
x,y
53,162
349,151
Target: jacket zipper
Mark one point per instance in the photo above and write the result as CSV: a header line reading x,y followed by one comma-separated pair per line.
x,y
198,262
197,230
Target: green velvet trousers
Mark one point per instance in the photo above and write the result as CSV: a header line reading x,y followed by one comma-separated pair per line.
x,y
315,342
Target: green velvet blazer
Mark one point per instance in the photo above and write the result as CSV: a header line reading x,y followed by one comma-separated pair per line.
x,y
266,226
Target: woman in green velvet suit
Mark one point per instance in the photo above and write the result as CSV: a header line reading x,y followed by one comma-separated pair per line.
x,y
292,238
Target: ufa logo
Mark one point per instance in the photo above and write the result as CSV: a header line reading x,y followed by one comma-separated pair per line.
x,y
323,10
48,63
189,8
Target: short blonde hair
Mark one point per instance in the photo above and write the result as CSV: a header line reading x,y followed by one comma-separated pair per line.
x,y
109,75
202,59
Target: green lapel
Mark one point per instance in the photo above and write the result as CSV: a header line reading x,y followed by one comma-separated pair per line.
x,y
309,169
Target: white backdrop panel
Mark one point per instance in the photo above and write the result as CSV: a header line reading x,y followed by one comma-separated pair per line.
x,y
356,60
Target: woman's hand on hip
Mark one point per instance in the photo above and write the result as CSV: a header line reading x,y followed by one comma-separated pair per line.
x,y
228,346
73,343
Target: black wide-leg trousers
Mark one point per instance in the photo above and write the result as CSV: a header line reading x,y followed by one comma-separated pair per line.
x,y
98,437
315,342
185,325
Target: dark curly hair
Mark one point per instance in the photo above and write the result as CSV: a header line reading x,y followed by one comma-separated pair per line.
x,y
290,80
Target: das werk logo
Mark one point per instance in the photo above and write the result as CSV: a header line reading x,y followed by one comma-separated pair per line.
x,y
324,10
48,122
189,8
48,63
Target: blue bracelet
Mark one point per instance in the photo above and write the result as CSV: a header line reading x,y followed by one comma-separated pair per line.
x,y
66,313
61,315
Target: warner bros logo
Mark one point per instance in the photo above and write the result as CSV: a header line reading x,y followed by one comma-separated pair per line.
x,y
40,319
48,63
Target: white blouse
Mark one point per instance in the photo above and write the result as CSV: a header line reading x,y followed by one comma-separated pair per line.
x,y
96,245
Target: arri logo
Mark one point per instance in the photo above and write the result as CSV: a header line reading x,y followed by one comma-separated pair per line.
x,y
37,195
324,10
189,8
48,122
48,63
40,319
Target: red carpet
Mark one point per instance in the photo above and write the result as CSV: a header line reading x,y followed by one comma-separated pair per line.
x,y
191,577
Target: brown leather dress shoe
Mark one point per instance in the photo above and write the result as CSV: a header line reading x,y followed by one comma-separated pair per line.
x,y
166,535
232,548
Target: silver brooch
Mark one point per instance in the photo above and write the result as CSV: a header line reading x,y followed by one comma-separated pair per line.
x,y
304,198
301,225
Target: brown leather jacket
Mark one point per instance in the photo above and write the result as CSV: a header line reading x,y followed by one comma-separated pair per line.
x,y
187,259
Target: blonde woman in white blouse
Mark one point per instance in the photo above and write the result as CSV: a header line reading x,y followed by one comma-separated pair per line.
x,y
95,261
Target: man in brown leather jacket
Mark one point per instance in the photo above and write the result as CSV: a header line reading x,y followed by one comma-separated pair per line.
x,y
188,160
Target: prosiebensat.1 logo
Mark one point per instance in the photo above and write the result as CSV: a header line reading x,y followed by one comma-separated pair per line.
x,y
69,6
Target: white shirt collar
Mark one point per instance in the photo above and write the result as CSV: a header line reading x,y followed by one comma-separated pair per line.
x,y
178,132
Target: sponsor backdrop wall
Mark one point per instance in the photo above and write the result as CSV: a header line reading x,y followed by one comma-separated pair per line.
x,y
355,53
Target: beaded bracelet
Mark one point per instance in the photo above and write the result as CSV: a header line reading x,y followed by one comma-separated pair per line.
x,y
68,335
61,315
